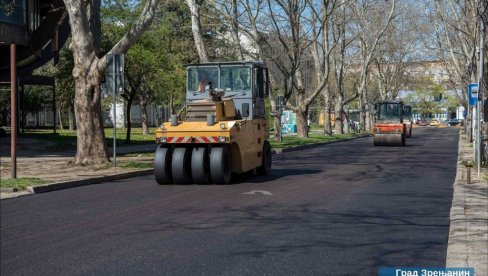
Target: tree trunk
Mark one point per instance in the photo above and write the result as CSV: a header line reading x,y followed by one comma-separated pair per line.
x,y
71,118
302,125
345,123
172,110
91,144
327,112
235,28
277,127
196,29
143,107
301,109
60,119
338,112
127,118
362,114
368,119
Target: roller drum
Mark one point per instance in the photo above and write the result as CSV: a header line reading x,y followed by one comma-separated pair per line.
x,y
390,139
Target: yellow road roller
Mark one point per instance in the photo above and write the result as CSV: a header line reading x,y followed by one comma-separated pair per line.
x,y
389,128
224,131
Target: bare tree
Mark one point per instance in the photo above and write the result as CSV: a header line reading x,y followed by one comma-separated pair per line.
x,y
291,27
262,45
400,42
230,17
457,32
196,28
339,64
321,49
89,67
144,97
371,25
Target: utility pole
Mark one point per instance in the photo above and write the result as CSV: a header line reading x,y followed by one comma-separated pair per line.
x,y
480,89
13,109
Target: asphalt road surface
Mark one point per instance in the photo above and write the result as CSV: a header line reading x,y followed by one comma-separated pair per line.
x,y
342,209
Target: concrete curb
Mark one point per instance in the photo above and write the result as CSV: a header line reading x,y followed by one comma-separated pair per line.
x,y
457,225
7,190
310,146
83,182
468,229
76,183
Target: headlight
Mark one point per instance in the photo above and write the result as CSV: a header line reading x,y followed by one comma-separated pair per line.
x,y
162,139
222,126
222,139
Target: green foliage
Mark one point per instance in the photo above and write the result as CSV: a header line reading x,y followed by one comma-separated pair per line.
x,y
65,84
21,183
167,84
154,66
36,97
135,165
428,97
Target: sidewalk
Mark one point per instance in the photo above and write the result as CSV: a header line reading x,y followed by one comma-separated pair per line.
x,y
468,231
36,161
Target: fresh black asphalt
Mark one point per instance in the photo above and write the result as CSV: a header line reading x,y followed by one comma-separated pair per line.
x,y
341,209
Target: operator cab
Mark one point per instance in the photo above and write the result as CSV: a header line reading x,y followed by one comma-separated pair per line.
x,y
389,112
245,83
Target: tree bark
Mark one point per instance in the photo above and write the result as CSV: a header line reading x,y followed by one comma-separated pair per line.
x,y
327,112
301,108
60,119
302,124
277,126
71,121
345,123
91,144
368,119
143,107
196,29
338,112
362,113
127,119
84,18
235,28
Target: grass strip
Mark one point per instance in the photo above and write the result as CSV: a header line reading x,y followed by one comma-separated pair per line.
x,y
293,141
21,183
135,164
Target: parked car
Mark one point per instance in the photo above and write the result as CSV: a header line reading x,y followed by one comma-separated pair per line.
x,y
421,122
453,122
434,122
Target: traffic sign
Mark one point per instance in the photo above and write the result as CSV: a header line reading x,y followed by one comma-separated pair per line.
x,y
472,93
280,102
114,82
114,75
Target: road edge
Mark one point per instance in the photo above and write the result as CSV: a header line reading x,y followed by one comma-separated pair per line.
x,y
309,146
83,182
44,188
466,229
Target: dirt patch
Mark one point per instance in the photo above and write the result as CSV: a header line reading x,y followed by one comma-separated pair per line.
x,y
61,169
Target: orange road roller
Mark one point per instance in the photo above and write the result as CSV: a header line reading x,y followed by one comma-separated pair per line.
x,y
389,128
